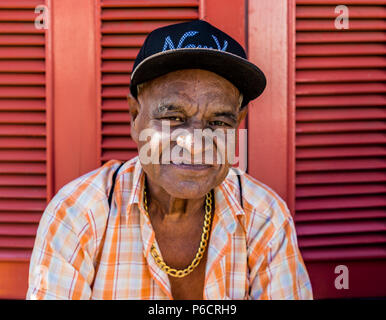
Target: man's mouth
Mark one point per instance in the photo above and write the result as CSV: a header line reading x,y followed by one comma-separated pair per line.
x,y
192,166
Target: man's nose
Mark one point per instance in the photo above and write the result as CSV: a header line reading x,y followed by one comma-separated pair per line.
x,y
193,141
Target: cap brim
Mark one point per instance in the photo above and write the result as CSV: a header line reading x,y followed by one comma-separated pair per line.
x,y
246,76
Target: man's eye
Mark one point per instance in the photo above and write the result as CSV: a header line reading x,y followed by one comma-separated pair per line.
x,y
174,119
219,123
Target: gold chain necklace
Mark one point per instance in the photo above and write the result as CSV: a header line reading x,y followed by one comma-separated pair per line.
x,y
203,244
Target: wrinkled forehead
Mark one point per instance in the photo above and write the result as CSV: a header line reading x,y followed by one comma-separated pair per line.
x,y
191,87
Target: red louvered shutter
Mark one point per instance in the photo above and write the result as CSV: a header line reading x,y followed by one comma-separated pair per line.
x,y
124,26
23,140
340,144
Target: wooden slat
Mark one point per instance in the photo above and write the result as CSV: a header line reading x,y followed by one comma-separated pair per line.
x,y
340,177
19,4
115,92
22,52
17,242
366,238
116,117
116,130
22,130
23,155
21,92
335,114
340,139
23,143
328,25
337,190
149,14
115,79
338,2
355,62
348,76
149,3
342,202
115,105
355,12
22,180
340,126
340,214
18,15
123,155
133,27
308,88
19,229
23,193
340,152
22,117
18,104
340,164
20,217
26,79
22,255
22,40
324,228
118,143
117,41
111,66
370,252
367,100
23,167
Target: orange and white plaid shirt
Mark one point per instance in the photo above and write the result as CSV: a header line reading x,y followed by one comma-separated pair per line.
x,y
252,254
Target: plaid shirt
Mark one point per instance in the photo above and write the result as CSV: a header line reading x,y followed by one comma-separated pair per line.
x,y
82,252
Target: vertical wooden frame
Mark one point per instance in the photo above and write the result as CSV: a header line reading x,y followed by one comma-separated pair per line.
x,y
75,89
269,115
49,107
98,79
291,105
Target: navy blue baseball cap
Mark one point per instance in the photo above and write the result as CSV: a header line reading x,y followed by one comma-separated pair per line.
x,y
197,45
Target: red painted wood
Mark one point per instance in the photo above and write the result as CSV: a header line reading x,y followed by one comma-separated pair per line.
x,y
14,279
25,139
75,91
269,115
340,202
361,213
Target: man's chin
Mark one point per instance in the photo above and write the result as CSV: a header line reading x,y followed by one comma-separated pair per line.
x,y
187,189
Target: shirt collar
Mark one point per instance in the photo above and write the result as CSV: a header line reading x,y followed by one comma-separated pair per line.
x,y
227,203
137,183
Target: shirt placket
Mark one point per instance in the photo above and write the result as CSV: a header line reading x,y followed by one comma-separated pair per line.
x,y
148,239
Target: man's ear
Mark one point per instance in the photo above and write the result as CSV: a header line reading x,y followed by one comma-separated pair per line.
x,y
242,113
134,110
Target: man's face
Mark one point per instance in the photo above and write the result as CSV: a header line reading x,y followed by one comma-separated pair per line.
x,y
188,101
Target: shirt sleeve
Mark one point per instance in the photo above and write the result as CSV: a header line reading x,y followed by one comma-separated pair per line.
x,y
280,274
61,265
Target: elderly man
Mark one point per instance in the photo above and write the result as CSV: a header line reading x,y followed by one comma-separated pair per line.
x,y
183,229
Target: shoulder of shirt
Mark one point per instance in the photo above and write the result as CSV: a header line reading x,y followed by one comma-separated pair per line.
x,y
261,204
93,186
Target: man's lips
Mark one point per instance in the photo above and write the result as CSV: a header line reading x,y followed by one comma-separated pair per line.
x,y
192,166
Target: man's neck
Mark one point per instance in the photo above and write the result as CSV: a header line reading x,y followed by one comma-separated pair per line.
x,y
169,207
